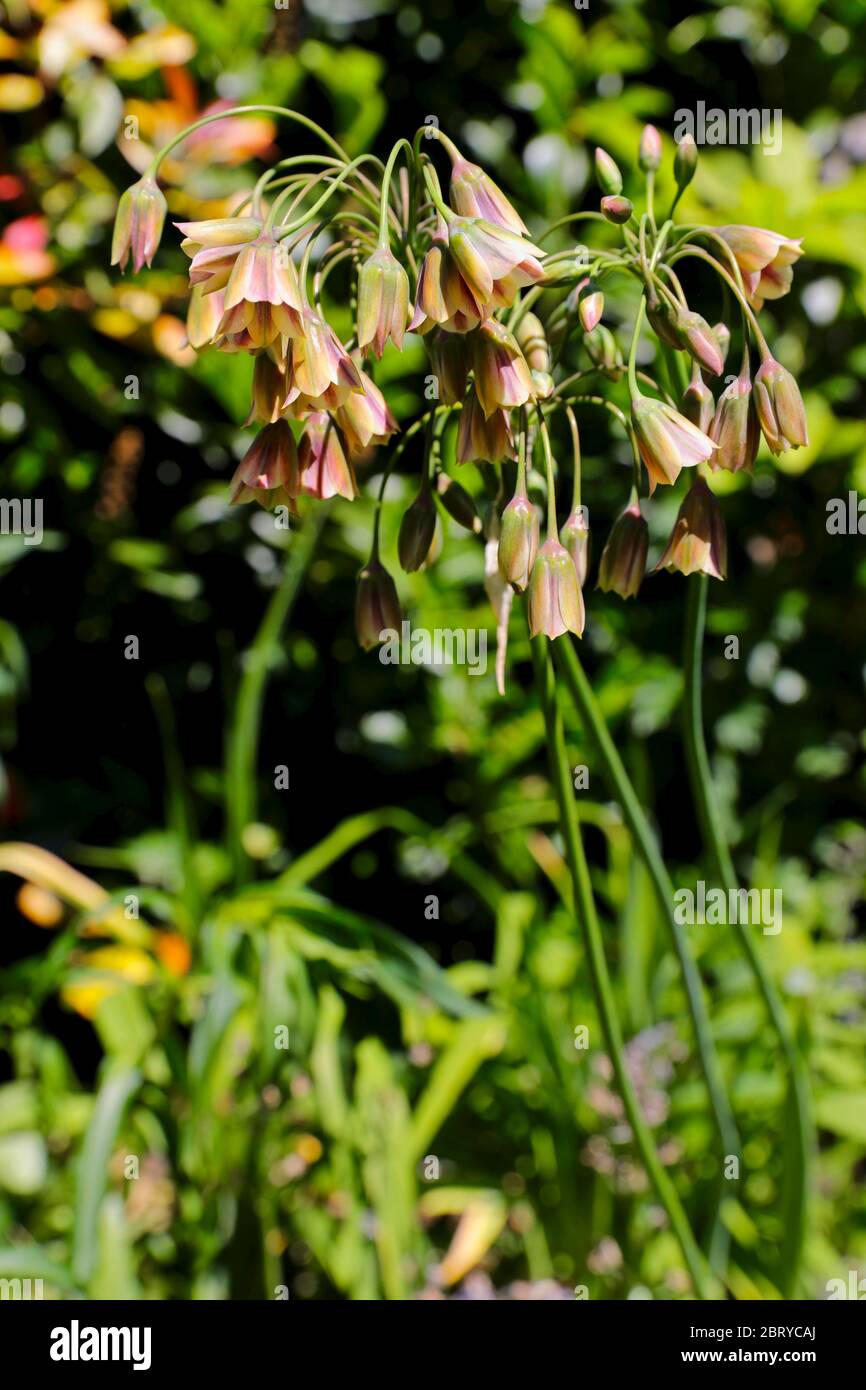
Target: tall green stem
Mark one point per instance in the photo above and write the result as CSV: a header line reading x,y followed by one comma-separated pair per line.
x,y
620,783
584,907
706,805
243,736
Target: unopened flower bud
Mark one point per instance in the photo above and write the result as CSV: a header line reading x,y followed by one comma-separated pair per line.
x,y
623,560
518,541
383,301
698,338
138,224
377,607
458,503
662,316
781,413
543,385
722,335
685,162
555,600
697,403
735,428
449,363
616,209
607,173
417,530
698,544
590,306
602,349
532,341
650,151
575,537
474,194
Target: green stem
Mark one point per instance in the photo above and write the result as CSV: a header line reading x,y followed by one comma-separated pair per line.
x,y
706,805
732,286
620,784
584,907
247,111
386,188
552,533
632,352
243,737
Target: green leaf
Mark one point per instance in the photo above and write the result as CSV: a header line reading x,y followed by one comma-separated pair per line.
x,y
115,1092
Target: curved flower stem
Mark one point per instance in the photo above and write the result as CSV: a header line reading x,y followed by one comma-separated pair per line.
x,y
386,188
632,352
571,217
619,782
706,805
689,250
552,533
298,116
584,909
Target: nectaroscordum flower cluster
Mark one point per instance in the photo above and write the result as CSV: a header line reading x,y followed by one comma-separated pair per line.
x,y
496,312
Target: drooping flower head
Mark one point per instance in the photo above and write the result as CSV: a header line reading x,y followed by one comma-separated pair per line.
x,y
325,470
779,407
443,297
138,224
667,441
502,376
263,299
320,372
766,261
734,428
364,417
697,544
482,438
268,471
214,245
623,560
493,262
383,301
474,194
555,600
377,607
518,541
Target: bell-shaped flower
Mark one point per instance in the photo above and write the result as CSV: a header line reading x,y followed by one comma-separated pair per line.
x,y
698,544
138,224
779,406
766,260
325,470
268,471
502,376
667,441
623,560
555,600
